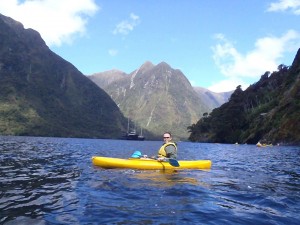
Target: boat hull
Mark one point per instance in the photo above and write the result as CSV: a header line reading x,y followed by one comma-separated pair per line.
x,y
148,164
133,137
264,145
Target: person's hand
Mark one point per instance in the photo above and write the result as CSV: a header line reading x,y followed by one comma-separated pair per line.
x,y
161,159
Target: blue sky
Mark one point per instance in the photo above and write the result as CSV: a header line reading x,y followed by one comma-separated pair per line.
x,y
217,44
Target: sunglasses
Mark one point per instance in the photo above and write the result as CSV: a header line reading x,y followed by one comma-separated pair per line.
x,y
166,137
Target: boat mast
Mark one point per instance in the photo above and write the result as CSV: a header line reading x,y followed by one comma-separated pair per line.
x,y
127,125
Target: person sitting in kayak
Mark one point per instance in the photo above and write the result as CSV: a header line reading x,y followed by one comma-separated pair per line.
x,y
168,149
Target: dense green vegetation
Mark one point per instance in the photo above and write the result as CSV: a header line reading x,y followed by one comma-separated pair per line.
x,y
41,94
267,111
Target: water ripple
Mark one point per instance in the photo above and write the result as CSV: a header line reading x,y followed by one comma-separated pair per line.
x,y
52,181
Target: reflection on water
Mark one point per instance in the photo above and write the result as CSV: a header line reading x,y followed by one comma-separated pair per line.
x,y
163,178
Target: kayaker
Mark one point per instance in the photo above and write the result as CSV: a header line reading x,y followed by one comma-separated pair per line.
x,y
168,149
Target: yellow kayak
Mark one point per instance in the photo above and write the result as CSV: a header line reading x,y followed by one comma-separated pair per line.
x,y
148,164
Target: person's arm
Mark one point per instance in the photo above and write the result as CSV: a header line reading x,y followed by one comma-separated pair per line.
x,y
171,152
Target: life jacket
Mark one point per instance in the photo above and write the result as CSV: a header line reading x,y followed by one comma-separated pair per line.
x,y
162,151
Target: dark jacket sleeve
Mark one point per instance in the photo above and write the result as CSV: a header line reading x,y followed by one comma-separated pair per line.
x,y
171,152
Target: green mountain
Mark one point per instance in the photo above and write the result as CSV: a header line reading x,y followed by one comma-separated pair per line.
x,y
268,111
41,94
156,97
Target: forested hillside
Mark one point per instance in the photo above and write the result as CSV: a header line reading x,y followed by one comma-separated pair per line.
x,y
41,94
267,111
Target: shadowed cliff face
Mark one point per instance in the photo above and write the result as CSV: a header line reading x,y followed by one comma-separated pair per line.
x,y
41,94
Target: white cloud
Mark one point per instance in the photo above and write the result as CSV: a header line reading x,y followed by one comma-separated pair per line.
x,y
265,56
227,85
112,52
58,21
284,5
126,26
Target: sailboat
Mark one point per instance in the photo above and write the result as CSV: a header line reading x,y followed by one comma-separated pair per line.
x,y
141,137
133,135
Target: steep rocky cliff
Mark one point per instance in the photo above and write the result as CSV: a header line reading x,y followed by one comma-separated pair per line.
x,y
158,98
41,94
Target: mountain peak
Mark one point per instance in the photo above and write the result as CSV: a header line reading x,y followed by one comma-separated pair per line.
x,y
105,78
146,66
163,64
114,71
13,24
51,90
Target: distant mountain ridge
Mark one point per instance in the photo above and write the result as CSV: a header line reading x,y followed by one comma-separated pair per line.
x,y
103,79
157,97
41,94
213,99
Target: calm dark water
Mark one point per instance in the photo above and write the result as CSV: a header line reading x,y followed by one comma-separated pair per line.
x,y
52,181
